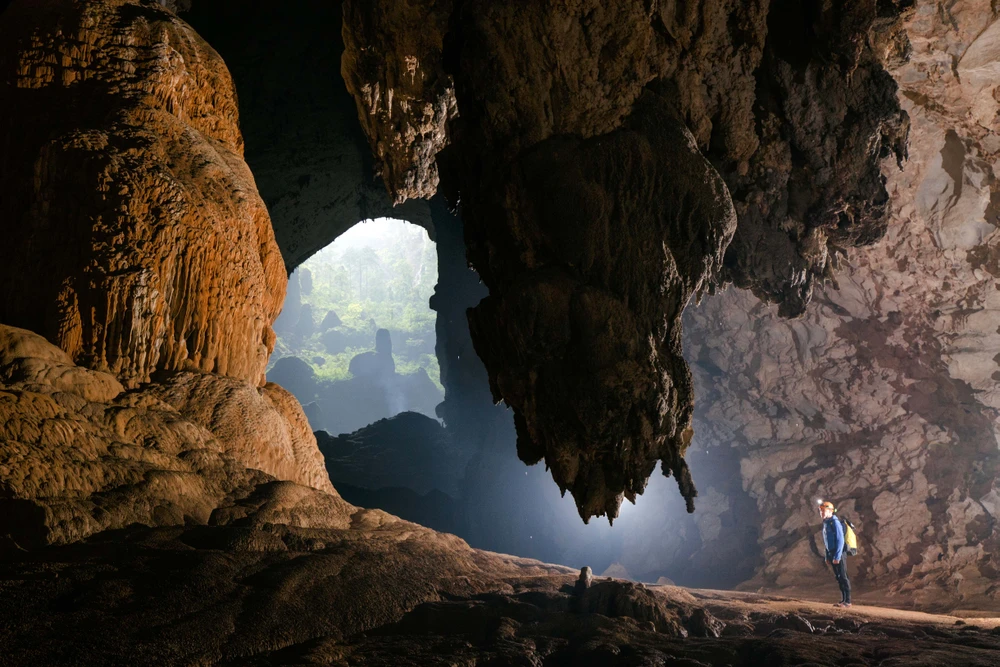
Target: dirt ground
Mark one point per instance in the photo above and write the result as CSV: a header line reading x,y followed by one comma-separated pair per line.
x,y
869,608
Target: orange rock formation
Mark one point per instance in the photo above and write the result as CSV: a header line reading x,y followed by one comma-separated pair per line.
x,y
136,240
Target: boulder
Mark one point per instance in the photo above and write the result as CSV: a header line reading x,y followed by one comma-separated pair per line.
x,y
295,375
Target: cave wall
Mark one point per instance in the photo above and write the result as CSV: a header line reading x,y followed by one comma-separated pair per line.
x,y
140,249
880,394
882,397
717,107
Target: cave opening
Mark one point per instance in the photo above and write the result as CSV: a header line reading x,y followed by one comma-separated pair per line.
x,y
355,338
461,474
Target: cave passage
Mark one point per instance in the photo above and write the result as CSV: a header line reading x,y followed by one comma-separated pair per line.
x,y
355,338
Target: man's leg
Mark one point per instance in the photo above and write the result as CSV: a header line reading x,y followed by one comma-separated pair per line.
x,y
840,569
836,574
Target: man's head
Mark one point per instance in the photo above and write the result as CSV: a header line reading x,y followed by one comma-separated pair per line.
x,y
826,509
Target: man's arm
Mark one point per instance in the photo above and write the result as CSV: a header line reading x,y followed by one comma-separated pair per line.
x,y
838,553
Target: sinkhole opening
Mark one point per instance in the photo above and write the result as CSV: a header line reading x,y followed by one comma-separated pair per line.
x,y
355,338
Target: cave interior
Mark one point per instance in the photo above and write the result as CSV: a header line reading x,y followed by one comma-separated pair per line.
x,y
664,276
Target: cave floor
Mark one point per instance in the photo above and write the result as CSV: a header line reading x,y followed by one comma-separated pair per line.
x,y
868,605
388,592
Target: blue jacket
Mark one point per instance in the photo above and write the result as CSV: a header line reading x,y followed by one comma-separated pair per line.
x,y
833,531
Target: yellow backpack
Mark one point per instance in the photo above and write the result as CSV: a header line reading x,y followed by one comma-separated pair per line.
x,y
850,538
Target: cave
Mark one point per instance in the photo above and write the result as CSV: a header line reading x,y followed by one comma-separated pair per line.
x,y
685,272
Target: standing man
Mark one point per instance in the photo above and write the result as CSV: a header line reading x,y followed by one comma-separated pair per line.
x,y
833,534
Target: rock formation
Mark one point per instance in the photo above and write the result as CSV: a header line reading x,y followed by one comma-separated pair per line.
x,y
141,248
263,428
407,450
330,321
591,211
800,142
404,103
137,241
160,506
857,399
295,375
377,364
406,465
82,455
883,396
743,141
307,153
585,348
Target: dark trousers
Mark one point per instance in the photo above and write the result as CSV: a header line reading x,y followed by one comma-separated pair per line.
x,y
840,571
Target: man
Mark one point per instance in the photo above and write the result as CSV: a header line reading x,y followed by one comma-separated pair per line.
x,y
833,534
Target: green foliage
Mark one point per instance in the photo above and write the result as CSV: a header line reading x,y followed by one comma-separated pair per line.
x,y
379,274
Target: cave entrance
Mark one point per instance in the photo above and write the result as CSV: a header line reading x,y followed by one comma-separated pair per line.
x,y
356,335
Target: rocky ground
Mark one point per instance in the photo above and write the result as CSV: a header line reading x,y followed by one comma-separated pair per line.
x,y
387,592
